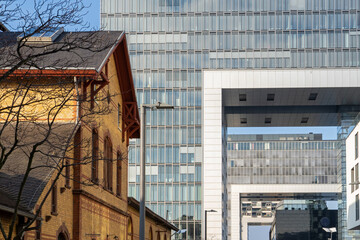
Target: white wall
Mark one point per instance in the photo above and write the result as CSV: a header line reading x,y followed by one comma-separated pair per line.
x,y
350,163
213,83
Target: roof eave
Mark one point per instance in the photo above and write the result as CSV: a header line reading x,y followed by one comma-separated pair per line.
x,y
19,212
52,72
135,204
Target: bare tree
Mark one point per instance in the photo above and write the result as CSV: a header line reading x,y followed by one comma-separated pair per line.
x,y
35,92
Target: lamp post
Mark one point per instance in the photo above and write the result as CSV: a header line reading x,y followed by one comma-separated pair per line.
x,y
206,211
330,230
159,105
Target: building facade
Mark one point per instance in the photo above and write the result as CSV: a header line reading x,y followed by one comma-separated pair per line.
x,y
65,170
281,159
352,178
172,41
275,160
303,220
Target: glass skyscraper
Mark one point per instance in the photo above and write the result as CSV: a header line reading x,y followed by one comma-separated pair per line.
x,y
171,41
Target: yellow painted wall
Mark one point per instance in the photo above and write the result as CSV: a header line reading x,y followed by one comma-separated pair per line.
x,y
39,100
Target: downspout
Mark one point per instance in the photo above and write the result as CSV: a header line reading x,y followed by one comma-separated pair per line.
x,y
77,100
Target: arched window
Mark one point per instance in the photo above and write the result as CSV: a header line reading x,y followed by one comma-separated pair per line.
x,y
94,156
63,233
150,234
108,164
118,173
130,229
61,237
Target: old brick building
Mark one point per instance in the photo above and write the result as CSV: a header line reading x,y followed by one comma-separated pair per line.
x,y
80,112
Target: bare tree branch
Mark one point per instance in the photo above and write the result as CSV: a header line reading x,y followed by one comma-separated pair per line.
x,y
25,85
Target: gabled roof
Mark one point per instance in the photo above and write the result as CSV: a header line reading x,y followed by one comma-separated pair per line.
x,y
72,54
44,162
136,205
70,50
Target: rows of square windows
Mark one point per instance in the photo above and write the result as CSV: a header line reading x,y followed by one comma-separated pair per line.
x,y
175,97
165,154
173,135
285,179
291,59
283,145
176,117
169,174
183,6
168,196
166,79
264,21
182,56
249,162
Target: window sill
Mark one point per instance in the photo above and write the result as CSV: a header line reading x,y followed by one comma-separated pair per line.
x,y
95,181
109,190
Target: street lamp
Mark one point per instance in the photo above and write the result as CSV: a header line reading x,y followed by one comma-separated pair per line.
x,y
206,211
330,230
159,105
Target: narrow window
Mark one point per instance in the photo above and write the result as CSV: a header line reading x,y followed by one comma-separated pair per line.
x,y
67,174
54,199
95,153
93,98
357,207
38,226
352,180
118,174
130,229
92,95
119,115
357,176
108,164
356,145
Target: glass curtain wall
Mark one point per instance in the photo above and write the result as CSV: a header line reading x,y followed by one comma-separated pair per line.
x,y
171,41
282,162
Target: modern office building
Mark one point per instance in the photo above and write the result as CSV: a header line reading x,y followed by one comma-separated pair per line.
x,y
352,178
172,43
276,161
303,220
281,159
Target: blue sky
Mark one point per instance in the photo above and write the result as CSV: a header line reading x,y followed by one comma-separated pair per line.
x,y
92,17
91,13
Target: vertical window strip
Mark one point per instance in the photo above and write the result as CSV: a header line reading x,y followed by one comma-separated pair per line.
x,y
118,174
67,174
357,207
119,116
108,164
352,180
54,199
356,145
357,176
95,154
